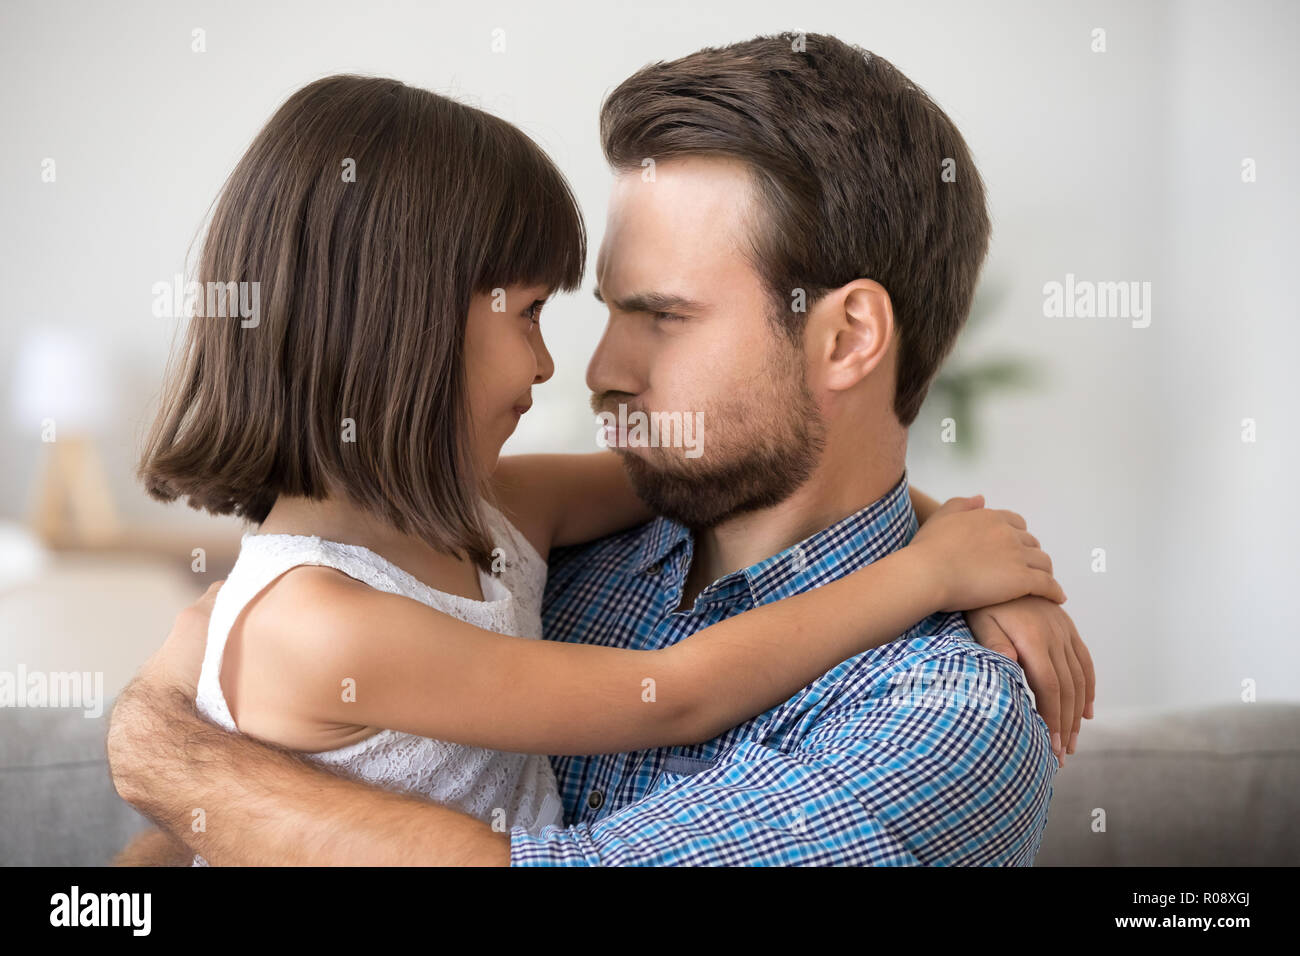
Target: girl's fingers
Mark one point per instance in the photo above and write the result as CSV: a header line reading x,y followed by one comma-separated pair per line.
x,y
1028,540
1044,585
973,503
1013,519
1038,558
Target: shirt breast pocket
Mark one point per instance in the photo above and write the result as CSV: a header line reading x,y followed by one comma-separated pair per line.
x,y
676,768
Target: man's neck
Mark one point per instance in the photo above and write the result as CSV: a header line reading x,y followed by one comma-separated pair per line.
x,y
835,490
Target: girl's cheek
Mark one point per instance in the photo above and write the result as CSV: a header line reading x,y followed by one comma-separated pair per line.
x,y
524,364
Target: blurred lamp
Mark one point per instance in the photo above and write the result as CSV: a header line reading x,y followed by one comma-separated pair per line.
x,y
62,396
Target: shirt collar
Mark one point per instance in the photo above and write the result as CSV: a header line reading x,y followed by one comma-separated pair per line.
x,y
865,536
658,540
880,528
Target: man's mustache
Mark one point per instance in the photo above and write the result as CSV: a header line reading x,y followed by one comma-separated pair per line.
x,y
605,403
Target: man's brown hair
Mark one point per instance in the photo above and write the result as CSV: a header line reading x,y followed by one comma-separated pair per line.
x,y
848,157
364,290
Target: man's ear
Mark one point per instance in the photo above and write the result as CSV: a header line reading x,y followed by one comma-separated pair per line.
x,y
853,329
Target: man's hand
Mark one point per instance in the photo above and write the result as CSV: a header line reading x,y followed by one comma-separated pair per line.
x,y
167,679
1040,636
178,662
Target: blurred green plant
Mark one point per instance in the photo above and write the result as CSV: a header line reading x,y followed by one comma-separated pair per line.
x,y
962,386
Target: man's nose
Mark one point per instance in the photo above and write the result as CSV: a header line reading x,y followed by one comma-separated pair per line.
x,y
613,367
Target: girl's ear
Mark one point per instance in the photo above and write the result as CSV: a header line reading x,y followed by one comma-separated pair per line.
x,y
853,328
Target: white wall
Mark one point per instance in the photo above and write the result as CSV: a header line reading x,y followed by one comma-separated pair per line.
x,y
1114,166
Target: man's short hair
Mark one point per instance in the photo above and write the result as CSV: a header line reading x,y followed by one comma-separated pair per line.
x,y
858,173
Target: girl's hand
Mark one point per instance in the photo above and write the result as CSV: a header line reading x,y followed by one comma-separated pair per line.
x,y
1042,638
976,556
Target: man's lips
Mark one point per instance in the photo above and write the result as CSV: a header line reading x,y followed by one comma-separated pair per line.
x,y
616,434
520,409
616,437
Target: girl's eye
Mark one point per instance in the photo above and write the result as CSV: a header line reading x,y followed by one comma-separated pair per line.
x,y
534,312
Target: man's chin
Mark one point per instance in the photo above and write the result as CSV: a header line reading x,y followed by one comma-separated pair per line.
x,y
662,490
691,496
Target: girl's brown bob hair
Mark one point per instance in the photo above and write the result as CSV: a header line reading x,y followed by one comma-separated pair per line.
x,y
368,213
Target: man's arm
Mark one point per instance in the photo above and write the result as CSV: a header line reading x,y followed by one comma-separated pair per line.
x,y
154,847
884,779
239,802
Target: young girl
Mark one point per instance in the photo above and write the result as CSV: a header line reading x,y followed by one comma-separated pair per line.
x,y
399,245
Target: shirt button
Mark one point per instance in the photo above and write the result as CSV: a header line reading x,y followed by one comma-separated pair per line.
x,y
595,799
654,569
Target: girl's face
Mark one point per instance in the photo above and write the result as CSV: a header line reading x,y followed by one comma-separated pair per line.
x,y
504,357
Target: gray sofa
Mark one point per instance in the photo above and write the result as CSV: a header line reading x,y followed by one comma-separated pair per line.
x,y
1211,786
1207,787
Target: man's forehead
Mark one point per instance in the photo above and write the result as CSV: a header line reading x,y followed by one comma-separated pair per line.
x,y
633,275
712,168
689,220
682,190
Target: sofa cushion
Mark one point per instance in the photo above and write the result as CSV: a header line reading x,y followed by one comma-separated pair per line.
x,y
57,803
1211,786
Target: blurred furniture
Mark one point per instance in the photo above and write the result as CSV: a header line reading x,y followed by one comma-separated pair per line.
x,y
62,391
103,613
22,556
84,612
62,396
1212,786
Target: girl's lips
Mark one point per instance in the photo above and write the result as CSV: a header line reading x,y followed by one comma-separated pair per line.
x,y
520,409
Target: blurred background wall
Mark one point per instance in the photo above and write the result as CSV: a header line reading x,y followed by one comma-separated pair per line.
x,y
1124,165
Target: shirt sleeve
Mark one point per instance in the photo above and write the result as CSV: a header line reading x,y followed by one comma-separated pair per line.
x,y
946,764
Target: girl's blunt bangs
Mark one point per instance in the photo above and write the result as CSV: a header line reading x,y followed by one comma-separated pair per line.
x,y
535,233
353,379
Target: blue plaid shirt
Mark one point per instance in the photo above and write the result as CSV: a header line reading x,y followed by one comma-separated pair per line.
x,y
927,750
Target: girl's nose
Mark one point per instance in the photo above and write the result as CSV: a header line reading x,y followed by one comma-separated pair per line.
x,y
545,364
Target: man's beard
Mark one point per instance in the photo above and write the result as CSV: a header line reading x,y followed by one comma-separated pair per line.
x,y
763,446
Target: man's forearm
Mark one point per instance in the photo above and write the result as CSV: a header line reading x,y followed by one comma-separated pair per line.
x,y
154,847
239,802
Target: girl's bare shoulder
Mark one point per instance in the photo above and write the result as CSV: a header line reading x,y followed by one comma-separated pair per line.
x,y
288,652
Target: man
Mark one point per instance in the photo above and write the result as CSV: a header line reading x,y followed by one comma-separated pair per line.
x,y
792,245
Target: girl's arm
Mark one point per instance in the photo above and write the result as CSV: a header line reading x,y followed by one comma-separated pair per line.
x,y
415,669
922,504
566,499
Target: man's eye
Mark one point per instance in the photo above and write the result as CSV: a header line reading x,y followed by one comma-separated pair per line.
x,y
667,317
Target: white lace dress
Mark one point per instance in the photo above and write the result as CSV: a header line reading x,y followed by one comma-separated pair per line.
x,y
503,789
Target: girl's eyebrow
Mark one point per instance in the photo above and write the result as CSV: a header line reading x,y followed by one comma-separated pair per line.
x,y
652,302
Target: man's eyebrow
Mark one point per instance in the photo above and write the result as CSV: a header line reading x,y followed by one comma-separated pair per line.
x,y
652,302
